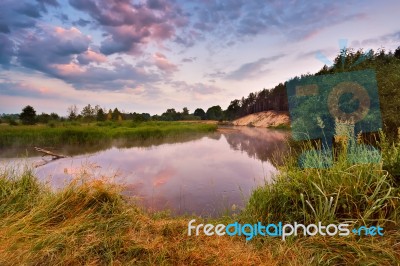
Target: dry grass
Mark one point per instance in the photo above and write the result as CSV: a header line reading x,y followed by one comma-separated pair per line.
x,y
89,222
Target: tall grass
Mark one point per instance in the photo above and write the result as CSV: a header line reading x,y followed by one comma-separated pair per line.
x,y
358,194
93,133
82,223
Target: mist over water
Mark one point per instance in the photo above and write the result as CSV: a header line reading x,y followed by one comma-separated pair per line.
x,y
202,174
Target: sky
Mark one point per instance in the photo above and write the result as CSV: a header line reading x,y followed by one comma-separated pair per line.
x,y
151,55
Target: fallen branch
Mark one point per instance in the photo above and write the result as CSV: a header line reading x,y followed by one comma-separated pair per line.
x,y
55,156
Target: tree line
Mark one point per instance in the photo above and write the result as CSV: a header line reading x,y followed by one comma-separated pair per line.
x,y
94,113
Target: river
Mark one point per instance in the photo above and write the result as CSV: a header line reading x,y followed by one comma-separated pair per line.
x,y
207,174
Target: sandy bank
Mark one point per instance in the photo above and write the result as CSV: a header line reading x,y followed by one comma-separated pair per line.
x,y
264,119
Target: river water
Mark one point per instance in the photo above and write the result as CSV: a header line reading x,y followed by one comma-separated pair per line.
x,y
205,174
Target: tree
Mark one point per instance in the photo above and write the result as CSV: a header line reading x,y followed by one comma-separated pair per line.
x,y
72,112
233,110
100,115
397,53
115,115
28,115
54,116
140,117
109,115
170,115
43,118
88,113
200,113
214,113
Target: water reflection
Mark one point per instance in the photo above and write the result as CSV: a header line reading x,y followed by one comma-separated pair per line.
x,y
260,143
203,174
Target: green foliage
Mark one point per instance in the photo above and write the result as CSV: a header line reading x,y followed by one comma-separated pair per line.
x,y
200,113
12,122
89,113
44,118
360,193
72,112
28,115
387,68
391,155
140,117
115,114
170,115
101,115
356,194
214,113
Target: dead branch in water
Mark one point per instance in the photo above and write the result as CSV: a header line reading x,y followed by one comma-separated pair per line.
x,y
46,152
54,156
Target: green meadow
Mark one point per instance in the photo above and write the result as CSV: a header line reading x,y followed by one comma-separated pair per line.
x,y
78,133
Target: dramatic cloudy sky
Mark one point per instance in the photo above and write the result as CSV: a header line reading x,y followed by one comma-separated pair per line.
x,y
147,56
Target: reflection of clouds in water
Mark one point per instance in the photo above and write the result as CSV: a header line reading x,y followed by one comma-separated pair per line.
x,y
203,176
163,176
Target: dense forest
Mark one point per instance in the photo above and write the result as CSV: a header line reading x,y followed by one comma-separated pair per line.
x,y
386,65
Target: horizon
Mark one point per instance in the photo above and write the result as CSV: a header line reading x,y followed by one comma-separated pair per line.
x,y
148,56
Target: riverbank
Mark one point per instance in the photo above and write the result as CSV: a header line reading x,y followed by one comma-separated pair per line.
x,y
272,119
91,133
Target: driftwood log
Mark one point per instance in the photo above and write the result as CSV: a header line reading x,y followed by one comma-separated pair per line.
x,y
54,156
46,152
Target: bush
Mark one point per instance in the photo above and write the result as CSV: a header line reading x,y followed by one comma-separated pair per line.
x,y
52,124
12,122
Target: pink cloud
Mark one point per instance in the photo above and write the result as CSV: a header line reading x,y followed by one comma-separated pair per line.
x,y
163,176
163,64
91,56
131,27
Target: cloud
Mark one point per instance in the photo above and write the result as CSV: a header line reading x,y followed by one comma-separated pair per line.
x,y
16,15
29,10
64,18
252,69
6,50
90,56
51,46
53,3
216,74
327,52
189,59
297,20
66,54
116,77
163,64
81,22
129,26
25,90
196,88
384,39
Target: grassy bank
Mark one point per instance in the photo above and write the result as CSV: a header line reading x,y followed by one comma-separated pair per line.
x,y
365,194
75,133
89,223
